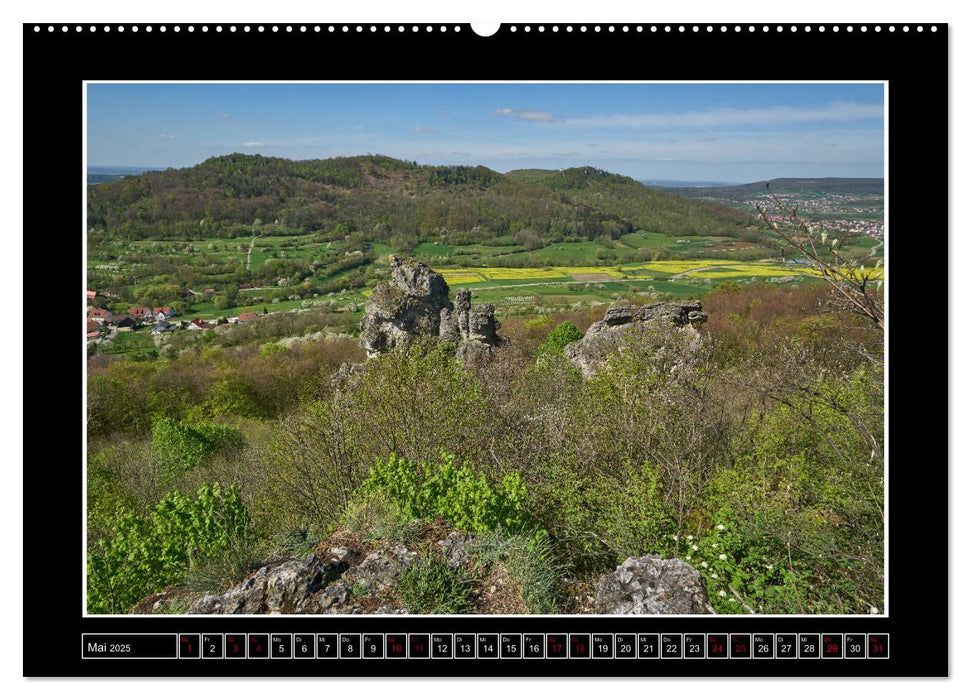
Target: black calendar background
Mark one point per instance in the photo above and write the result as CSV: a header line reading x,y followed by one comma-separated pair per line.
x,y
915,64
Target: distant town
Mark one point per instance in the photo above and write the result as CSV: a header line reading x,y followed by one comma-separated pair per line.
x,y
103,326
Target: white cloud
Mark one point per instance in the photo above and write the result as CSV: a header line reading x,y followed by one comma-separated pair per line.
x,y
424,129
166,136
252,143
730,117
527,115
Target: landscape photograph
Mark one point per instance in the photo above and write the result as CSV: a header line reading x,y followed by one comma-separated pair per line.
x,y
485,348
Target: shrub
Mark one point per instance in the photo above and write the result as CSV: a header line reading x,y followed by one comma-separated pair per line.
x,y
558,338
148,553
377,517
451,491
605,519
178,447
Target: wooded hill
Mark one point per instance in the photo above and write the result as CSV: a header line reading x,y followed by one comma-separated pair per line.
x,y
383,199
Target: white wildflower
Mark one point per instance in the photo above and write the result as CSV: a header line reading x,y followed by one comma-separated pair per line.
x,y
688,557
874,611
704,565
721,527
722,594
722,557
714,575
690,537
694,547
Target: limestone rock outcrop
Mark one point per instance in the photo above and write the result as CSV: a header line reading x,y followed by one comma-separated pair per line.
x,y
408,306
292,587
624,325
415,304
650,585
314,585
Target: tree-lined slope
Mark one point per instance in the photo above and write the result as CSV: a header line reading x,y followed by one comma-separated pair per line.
x,y
383,198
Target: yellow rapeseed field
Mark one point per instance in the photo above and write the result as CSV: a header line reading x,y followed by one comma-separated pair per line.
x,y
698,269
461,277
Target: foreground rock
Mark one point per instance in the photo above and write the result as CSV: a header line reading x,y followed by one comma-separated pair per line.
x,y
626,325
314,586
414,304
650,585
290,588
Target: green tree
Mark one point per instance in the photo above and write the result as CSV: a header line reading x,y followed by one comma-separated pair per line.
x,y
558,338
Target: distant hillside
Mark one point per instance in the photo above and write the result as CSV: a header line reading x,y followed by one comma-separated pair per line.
x,y
809,187
382,198
98,174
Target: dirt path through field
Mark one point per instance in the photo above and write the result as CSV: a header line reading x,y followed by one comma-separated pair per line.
x,y
697,269
249,252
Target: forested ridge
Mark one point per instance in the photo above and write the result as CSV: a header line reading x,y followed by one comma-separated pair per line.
x,y
385,198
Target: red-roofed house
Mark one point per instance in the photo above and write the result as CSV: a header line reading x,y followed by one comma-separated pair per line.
x,y
94,329
140,312
99,315
199,325
91,294
247,317
160,313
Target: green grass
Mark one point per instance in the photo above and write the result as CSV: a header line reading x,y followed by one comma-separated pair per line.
x,y
381,249
587,252
423,250
430,587
129,342
648,239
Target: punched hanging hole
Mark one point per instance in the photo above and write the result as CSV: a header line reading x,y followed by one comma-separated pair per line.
x,y
485,29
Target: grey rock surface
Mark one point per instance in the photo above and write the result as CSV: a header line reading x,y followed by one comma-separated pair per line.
x,y
650,585
454,548
312,586
414,304
626,325
380,569
408,306
291,587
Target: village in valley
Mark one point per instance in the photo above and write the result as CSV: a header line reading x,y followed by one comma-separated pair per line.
x,y
103,326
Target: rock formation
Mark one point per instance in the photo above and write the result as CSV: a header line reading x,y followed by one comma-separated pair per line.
x,y
650,585
414,304
295,586
312,586
625,324
356,580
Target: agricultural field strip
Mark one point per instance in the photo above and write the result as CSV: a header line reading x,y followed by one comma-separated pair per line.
x,y
686,268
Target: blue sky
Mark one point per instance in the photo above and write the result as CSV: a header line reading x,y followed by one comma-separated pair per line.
x,y
723,132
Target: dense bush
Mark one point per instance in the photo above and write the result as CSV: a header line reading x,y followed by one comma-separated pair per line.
x,y
146,553
561,336
455,492
178,448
